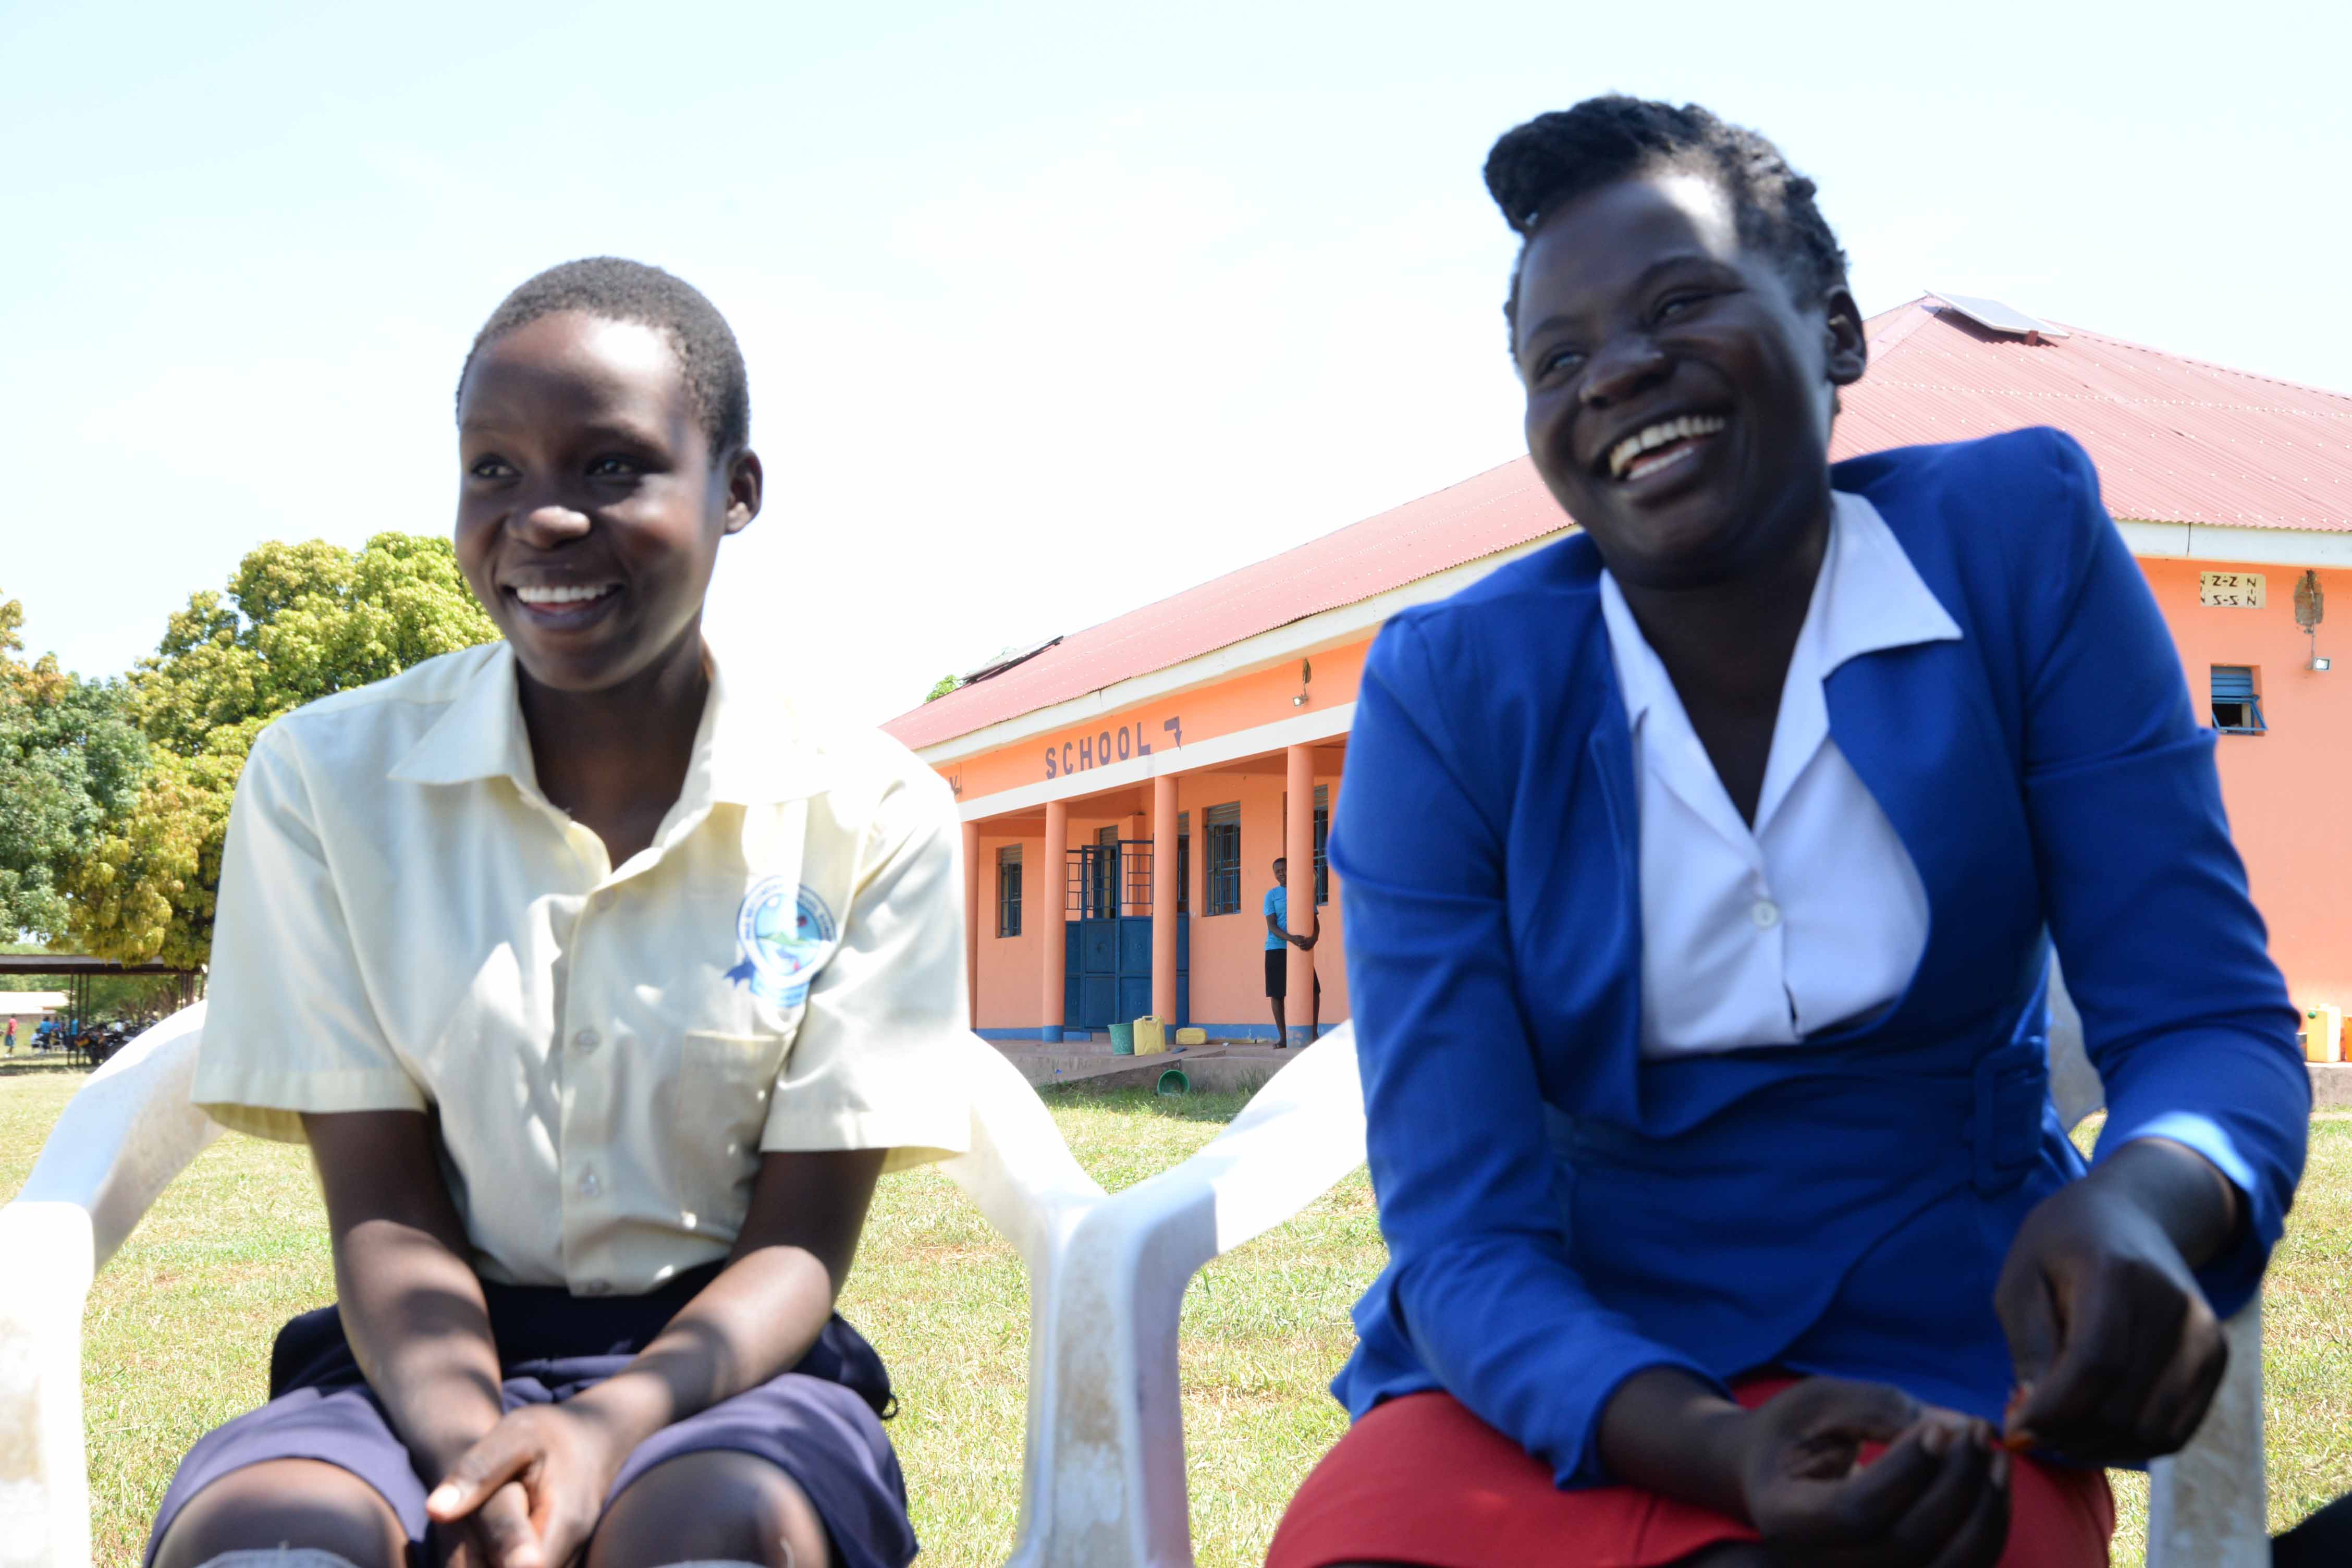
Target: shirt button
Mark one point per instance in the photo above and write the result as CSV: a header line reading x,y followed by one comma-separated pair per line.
x,y
603,900
587,1039
597,1287
589,1185
1765,913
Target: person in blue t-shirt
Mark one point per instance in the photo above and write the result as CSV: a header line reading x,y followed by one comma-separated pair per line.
x,y
1278,937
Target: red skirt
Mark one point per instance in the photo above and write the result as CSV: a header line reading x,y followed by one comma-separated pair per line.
x,y
1421,1481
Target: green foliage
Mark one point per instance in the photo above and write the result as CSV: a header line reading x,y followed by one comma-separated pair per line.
x,y
297,622
70,761
945,684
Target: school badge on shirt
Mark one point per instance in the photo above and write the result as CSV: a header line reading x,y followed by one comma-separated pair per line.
x,y
784,935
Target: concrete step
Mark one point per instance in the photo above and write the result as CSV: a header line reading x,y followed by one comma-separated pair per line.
x,y
1215,1069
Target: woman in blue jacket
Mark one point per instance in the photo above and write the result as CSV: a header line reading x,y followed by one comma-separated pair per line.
x,y
1702,875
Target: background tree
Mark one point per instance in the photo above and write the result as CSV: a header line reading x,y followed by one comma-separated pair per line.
x,y
70,763
297,622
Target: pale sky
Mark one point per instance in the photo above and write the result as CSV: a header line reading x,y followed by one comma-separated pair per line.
x,y
1050,310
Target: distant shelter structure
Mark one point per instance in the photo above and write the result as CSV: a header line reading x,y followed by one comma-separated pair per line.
x,y
72,1005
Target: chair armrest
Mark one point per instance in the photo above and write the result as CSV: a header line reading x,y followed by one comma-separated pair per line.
x,y
1106,1463
1019,1172
2208,1506
126,1133
43,1486
121,1140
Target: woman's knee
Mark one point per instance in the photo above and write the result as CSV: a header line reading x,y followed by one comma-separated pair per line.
x,y
714,1504
300,1503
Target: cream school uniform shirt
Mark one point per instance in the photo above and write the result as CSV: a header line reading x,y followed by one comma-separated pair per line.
x,y
406,923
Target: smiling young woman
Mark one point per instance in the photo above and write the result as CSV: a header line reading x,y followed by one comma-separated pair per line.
x,y
1702,1013
601,991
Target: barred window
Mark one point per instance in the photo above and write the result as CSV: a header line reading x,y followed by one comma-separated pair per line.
x,y
1184,862
1225,865
1008,891
1322,836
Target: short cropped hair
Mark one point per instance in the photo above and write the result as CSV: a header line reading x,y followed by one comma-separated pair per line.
x,y
1557,157
620,291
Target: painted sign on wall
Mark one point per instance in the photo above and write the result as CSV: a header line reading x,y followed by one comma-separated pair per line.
x,y
2230,590
1122,742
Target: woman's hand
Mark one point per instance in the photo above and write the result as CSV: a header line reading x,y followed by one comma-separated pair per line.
x,y
504,1517
1938,1498
530,1491
2118,1352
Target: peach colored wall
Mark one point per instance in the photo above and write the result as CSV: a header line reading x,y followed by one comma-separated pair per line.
x,y
1228,966
1007,982
1228,977
2283,789
1242,702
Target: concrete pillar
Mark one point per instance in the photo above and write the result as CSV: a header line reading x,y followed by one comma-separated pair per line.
x,y
1298,850
972,916
1196,897
1163,898
1052,904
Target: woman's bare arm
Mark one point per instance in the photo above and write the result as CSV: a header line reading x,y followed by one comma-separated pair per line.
x,y
756,1319
412,1307
760,1317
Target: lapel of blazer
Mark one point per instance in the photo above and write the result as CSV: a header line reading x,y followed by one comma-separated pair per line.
x,y
1919,726
1614,1088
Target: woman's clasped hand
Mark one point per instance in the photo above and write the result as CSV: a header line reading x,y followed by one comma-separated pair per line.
x,y
1937,1495
2119,1356
528,1495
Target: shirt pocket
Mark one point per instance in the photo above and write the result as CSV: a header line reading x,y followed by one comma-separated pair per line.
x,y
724,1084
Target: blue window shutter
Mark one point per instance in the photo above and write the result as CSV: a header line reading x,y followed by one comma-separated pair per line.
x,y
2236,710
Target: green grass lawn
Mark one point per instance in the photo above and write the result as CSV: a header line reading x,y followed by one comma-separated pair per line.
x,y
179,1328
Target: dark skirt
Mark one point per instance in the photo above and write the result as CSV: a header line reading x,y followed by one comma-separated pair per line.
x,y
821,1422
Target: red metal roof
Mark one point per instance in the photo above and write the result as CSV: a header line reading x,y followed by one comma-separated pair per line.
x,y
2176,440
1498,508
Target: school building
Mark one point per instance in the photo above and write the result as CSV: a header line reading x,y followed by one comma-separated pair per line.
x,y
1125,789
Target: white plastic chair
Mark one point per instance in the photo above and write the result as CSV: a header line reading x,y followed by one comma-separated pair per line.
x,y
1104,1480
2209,1505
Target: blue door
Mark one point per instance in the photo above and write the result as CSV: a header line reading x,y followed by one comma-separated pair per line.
x,y
1106,951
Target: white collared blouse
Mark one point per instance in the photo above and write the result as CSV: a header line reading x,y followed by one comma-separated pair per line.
x,y
1815,915
406,922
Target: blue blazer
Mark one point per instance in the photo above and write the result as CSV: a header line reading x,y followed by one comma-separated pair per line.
x,y
1560,1213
